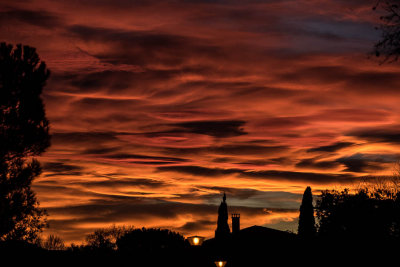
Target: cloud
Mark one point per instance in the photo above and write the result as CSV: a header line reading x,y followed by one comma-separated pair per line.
x,y
143,47
218,129
84,137
389,134
125,182
199,171
367,162
39,18
309,177
331,148
93,81
195,226
273,175
115,81
282,161
62,168
101,150
359,81
232,149
311,163
144,157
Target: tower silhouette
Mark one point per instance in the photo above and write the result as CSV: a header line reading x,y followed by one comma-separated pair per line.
x,y
223,230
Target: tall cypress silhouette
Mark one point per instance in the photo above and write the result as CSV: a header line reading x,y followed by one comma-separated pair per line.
x,y
307,228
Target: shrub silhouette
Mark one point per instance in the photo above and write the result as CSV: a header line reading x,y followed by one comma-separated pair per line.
x,y
53,242
106,238
150,240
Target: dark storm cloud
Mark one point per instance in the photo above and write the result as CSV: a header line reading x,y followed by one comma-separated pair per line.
x,y
234,149
356,80
106,103
119,182
52,191
242,90
262,162
214,128
101,150
320,73
199,171
114,81
331,148
356,164
321,178
84,137
374,82
283,122
144,157
61,168
315,164
390,134
196,225
118,207
39,18
367,162
144,47
267,92
311,177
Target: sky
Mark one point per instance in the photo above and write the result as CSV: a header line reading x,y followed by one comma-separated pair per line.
x,y
158,107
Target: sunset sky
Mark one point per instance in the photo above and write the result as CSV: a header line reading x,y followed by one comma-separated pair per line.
x,y
158,107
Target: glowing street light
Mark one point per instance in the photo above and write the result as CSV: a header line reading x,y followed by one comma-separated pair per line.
x,y
220,263
195,240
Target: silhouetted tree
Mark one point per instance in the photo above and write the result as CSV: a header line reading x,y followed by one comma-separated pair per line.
x,y
24,133
106,238
307,228
53,242
150,240
368,214
389,44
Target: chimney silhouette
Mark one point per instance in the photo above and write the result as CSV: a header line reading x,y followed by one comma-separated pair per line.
x,y
235,223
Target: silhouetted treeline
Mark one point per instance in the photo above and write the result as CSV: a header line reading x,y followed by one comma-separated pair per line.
x,y
157,247
369,213
362,216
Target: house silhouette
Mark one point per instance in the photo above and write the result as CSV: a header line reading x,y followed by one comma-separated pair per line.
x,y
242,245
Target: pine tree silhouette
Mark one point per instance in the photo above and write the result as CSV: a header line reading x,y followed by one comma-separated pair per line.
x,y
24,134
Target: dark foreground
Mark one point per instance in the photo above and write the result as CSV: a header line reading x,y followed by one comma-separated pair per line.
x,y
315,253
